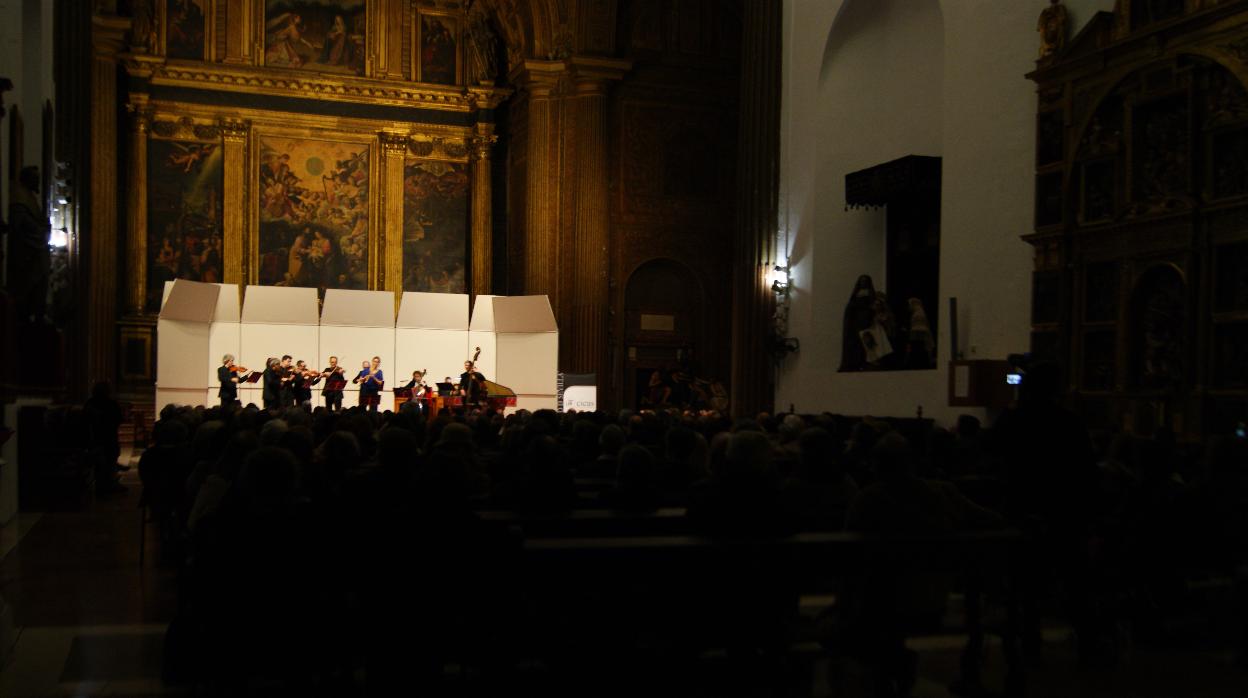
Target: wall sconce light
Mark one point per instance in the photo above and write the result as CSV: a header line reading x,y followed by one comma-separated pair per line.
x,y
780,288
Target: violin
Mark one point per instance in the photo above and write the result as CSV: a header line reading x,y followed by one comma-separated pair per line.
x,y
240,369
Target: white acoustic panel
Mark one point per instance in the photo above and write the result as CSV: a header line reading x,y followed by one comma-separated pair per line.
x,y
181,354
433,311
440,352
483,314
281,305
347,308
529,363
182,335
523,314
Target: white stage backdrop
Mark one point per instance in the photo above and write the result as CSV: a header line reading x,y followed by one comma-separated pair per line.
x,y
276,320
356,326
432,335
199,323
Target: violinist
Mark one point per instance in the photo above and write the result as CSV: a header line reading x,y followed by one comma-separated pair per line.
x,y
227,376
334,382
272,380
371,381
287,395
302,384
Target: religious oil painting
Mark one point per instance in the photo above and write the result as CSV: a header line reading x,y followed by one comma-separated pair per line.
x,y
321,35
439,49
184,183
313,198
435,226
184,29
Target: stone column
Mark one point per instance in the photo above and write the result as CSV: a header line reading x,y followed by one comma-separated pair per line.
x,y
234,197
540,233
394,155
591,238
136,213
482,210
108,34
758,157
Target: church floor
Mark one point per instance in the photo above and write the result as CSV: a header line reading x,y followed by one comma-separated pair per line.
x,y
90,621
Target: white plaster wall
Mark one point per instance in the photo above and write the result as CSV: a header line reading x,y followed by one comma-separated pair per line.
x,y
867,81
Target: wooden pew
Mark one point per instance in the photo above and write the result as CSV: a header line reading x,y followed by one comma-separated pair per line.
x,y
683,567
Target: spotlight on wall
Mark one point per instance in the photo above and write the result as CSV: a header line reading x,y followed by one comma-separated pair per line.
x,y
780,288
59,238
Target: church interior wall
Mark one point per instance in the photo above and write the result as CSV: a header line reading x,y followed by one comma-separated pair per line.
x,y
868,82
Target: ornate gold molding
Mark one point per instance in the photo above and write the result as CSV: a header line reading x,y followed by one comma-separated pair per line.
x,y
394,144
234,130
286,83
186,128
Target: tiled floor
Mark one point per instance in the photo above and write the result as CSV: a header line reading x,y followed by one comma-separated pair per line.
x,y
90,621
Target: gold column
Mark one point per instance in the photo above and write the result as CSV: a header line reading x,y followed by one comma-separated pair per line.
x,y
482,213
394,155
240,16
136,205
540,233
234,198
100,237
589,272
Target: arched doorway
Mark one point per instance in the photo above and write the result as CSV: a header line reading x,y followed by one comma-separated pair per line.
x,y
663,329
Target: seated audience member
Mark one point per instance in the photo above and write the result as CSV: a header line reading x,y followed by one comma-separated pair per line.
x,y
686,458
742,495
636,483
819,494
104,417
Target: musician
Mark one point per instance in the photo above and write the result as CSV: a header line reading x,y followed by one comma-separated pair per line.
x,y
302,384
287,394
228,378
272,380
419,389
370,379
472,383
334,380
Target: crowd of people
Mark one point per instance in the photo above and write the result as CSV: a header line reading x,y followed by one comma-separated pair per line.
x,y
324,547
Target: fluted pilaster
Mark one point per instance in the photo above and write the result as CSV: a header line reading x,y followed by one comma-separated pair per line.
x,y
482,211
394,155
136,210
233,219
108,33
592,229
758,151
540,232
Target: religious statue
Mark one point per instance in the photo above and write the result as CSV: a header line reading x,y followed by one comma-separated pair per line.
x,y
869,328
482,50
1052,28
143,28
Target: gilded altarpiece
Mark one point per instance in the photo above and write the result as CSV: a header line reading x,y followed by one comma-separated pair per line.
x,y
321,143
1141,218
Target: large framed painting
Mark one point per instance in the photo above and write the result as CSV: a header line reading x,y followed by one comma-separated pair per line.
x,y
435,226
185,29
322,35
437,51
313,197
184,236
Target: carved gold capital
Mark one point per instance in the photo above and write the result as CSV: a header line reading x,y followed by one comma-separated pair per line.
x,y
234,130
140,117
481,146
394,145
